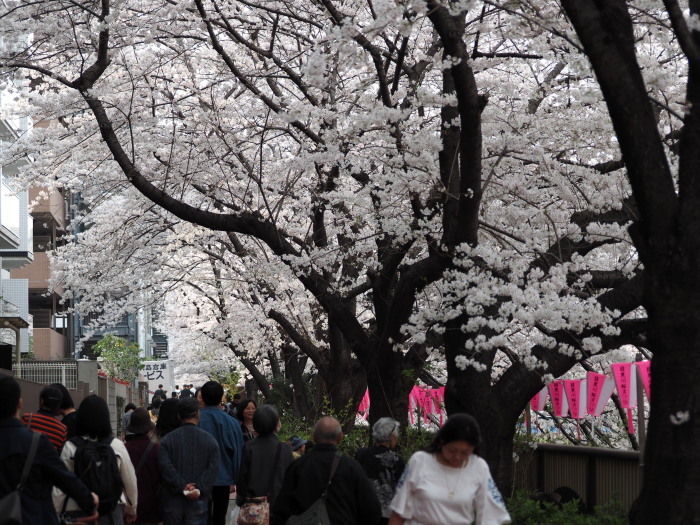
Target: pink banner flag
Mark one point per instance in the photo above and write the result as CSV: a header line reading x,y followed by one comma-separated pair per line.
x,y
424,402
600,387
626,382
575,390
644,371
364,404
540,400
556,394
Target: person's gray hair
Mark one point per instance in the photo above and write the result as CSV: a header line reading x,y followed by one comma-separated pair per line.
x,y
384,428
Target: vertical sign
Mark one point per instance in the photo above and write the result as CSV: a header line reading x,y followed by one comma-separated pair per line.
x,y
644,371
600,388
626,380
575,390
556,394
158,373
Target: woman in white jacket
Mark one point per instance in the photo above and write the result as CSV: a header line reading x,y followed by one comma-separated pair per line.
x,y
93,424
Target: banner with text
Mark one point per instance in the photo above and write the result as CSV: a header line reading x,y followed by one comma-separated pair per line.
x,y
158,373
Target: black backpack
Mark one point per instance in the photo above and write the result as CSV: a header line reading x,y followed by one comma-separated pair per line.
x,y
95,463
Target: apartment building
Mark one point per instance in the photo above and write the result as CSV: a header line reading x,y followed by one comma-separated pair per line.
x,y
51,324
33,316
16,251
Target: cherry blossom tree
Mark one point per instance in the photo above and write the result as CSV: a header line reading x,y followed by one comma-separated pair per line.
x,y
417,179
665,232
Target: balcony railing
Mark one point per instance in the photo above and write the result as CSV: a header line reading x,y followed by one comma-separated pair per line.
x,y
49,344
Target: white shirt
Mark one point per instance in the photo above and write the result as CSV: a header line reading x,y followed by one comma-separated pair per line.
x,y
430,493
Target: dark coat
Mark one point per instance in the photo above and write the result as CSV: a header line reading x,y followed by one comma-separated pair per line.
x,y
383,467
147,478
258,465
48,470
71,422
351,499
186,455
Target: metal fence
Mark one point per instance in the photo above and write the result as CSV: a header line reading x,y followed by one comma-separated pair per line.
x,y
47,372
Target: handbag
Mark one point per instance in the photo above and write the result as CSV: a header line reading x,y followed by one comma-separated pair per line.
x,y
317,513
256,510
11,504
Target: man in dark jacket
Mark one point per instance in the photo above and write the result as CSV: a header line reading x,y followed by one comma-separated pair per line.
x,y
189,463
47,469
186,392
351,499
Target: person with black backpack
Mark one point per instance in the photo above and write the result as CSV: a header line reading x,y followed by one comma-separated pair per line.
x,y
34,471
102,462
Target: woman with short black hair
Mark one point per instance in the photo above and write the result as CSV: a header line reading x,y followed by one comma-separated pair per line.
x,y
67,410
265,459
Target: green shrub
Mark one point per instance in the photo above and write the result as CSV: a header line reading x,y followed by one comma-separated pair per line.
x,y
410,440
525,510
294,426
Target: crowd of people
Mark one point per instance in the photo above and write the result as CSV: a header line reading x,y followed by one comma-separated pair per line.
x,y
179,460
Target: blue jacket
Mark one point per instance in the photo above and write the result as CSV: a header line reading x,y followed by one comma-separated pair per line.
x,y
47,470
229,437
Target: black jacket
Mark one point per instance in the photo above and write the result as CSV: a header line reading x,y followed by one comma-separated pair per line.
x,y
383,467
351,498
257,467
47,470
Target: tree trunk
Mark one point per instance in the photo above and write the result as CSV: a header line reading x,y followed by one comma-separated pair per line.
x,y
471,391
294,365
389,386
672,456
346,381
274,363
496,417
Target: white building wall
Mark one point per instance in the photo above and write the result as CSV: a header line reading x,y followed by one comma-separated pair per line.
x,y
16,291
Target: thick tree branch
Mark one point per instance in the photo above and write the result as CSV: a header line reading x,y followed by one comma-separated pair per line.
x,y
302,342
605,29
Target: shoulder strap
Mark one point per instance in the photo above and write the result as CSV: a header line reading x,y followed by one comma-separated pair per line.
x,y
30,459
334,467
143,458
